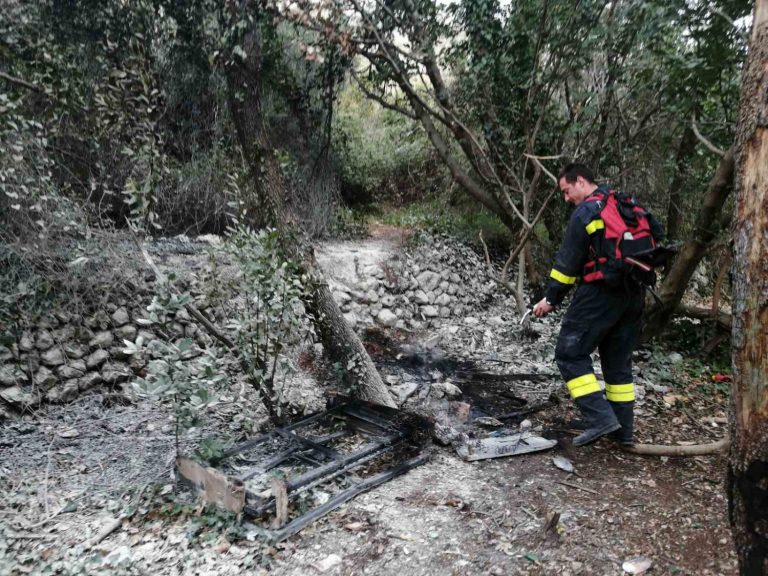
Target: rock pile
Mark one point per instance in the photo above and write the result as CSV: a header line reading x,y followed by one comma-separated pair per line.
x,y
436,279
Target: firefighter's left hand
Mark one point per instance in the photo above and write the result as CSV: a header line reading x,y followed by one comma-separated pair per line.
x,y
542,308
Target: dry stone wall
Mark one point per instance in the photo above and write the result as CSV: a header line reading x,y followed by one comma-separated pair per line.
x,y
67,354
434,279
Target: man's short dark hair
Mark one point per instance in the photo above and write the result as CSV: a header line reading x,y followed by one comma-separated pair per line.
x,y
574,170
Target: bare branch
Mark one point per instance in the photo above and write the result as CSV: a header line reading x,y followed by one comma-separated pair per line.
x,y
527,234
381,99
711,147
20,82
547,172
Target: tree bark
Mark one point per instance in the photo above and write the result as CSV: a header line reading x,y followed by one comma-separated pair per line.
x,y
344,346
244,84
673,287
748,462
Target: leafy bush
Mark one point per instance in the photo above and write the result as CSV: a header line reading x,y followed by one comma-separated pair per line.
x,y
381,153
463,223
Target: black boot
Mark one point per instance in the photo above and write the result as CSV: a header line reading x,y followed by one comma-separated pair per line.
x,y
599,416
625,414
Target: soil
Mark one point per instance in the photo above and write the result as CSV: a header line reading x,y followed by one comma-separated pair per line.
x,y
66,472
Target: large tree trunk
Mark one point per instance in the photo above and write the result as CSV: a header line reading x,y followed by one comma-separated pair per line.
x,y
748,464
707,226
244,84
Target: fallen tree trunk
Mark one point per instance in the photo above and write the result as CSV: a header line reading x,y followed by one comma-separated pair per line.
x,y
343,346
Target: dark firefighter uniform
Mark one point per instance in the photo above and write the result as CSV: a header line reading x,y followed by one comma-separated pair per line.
x,y
602,317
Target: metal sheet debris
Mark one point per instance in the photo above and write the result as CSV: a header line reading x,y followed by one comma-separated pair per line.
x,y
497,446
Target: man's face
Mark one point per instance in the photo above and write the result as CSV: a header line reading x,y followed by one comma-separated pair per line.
x,y
573,192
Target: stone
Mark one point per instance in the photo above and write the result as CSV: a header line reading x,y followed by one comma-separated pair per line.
x,y
190,330
443,300
120,317
444,285
420,297
445,312
5,354
341,297
369,284
370,296
114,373
96,359
26,343
451,390
351,319
44,378
99,321
89,381
429,311
119,353
101,339
75,369
53,357
63,393
63,334
75,351
451,290
44,340
126,332
30,363
11,376
428,280
17,396
84,334
404,391
386,318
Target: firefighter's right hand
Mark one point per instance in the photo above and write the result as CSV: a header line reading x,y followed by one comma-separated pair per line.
x,y
542,308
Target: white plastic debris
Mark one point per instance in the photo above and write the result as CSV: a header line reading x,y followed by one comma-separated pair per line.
x,y
563,463
637,565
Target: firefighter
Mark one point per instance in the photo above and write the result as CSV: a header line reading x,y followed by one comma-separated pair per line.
x,y
603,315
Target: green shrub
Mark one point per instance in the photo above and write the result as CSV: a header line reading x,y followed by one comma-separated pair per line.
x,y
381,153
461,222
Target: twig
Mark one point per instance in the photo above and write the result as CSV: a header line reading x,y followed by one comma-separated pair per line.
x,y
543,168
531,514
20,82
711,147
577,487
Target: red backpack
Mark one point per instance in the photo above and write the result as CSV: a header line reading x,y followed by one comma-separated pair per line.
x,y
621,251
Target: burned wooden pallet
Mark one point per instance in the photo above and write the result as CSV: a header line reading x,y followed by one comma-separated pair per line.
x,y
296,474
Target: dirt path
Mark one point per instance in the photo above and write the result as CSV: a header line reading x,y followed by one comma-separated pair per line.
x,y
516,515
